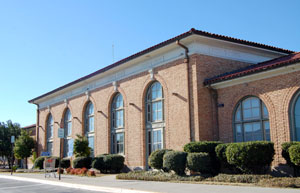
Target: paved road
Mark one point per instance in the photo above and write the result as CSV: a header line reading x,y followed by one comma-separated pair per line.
x,y
15,186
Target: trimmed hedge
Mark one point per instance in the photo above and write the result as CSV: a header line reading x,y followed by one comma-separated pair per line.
x,y
199,162
202,146
108,163
221,152
176,161
98,163
251,157
39,162
65,163
82,162
285,151
294,152
155,159
206,147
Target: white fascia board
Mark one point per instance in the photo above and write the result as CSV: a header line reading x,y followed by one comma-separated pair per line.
x,y
257,76
197,45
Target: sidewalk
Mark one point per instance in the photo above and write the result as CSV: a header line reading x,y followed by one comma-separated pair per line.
x,y
110,184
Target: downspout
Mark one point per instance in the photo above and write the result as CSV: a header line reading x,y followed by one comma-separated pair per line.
x,y
187,61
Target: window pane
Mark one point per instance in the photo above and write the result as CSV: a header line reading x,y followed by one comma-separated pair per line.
x,y
246,104
265,113
247,114
254,102
238,115
257,132
248,132
255,113
239,134
91,144
267,130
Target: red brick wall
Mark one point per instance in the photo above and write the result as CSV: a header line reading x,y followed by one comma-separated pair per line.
x,y
173,77
276,93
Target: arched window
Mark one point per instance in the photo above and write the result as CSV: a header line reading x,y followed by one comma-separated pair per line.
x,y
295,118
117,125
68,141
89,125
50,124
154,117
251,120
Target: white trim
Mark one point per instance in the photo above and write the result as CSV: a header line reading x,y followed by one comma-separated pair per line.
x,y
257,76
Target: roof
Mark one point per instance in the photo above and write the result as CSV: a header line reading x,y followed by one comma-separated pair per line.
x,y
162,44
256,68
29,126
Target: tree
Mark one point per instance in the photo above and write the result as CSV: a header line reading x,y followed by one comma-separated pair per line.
x,y
24,146
81,147
7,130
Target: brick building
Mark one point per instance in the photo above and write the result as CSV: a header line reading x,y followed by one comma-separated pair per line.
x,y
195,86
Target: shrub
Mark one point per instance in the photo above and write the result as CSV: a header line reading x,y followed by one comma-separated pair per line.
x,y
285,151
39,162
61,171
221,152
65,163
82,162
68,170
251,157
113,162
98,163
176,161
199,162
206,147
108,163
294,152
156,158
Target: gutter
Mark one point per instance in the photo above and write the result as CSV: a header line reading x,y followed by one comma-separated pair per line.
x,y
187,61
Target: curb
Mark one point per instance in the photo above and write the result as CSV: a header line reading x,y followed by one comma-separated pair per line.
x,y
78,186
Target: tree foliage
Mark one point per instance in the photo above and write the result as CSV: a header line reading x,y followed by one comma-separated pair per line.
x,y
81,147
7,130
24,146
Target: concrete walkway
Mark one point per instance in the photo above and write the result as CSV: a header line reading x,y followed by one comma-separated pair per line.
x,y
108,183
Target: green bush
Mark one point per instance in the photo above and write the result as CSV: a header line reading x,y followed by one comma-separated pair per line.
x,y
155,159
39,162
65,163
176,161
202,146
82,162
221,152
113,162
98,163
199,162
285,151
206,147
251,157
294,152
108,163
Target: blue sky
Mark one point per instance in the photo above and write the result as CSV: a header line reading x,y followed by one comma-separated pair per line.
x,y
46,44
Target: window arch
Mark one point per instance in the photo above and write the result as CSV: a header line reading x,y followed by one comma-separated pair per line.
x,y
295,117
154,103
117,125
50,123
68,141
251,120
154,118
89,125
